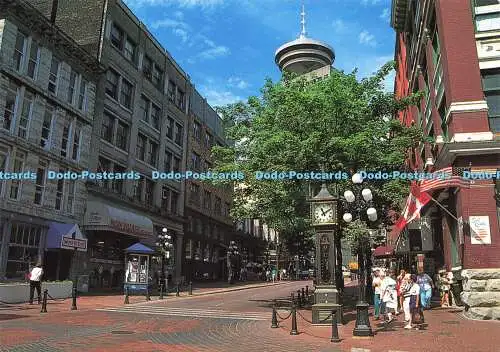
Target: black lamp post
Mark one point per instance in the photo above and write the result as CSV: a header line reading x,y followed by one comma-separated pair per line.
x,y
232,252
165,245
358,204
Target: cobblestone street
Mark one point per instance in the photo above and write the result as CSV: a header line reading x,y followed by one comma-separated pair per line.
x,y
227,321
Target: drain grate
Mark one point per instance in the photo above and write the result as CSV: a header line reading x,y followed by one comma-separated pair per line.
x,y
451,322
122,332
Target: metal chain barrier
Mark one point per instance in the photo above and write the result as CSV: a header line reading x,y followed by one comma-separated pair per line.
x,y
281,318
310,322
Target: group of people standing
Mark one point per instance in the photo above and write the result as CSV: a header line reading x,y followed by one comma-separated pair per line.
x,y
408,293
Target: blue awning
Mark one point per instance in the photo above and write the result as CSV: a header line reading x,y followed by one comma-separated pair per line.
x,y
140,249
65,236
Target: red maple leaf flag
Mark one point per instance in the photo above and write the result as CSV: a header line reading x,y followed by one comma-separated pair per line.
x,y
415,202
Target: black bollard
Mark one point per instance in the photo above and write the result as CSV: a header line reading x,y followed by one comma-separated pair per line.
x,y
44,301
177,290
73,305
307,291
147,294
294,322
126,296
299,301
335,328
161,289
190,288
304,302
274,322
293,298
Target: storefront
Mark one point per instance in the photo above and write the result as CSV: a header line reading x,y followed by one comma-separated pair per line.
x,y
110,231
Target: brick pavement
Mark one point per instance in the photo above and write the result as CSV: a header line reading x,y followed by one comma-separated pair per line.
x,y
208,323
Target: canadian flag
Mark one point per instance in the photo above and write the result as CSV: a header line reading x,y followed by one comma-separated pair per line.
x,y
415,202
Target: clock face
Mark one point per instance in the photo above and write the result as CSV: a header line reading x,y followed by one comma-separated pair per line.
x,y
323,213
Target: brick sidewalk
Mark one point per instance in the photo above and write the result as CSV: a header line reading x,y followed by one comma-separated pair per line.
x,y
85,303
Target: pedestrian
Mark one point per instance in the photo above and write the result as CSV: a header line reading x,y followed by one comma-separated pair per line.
x,y
268,274
35,282
274,273
406,287
412,301
388,295
444,288
426,286
399,283
376,297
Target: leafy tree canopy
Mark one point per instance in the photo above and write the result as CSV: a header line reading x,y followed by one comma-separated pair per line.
x,y
331,124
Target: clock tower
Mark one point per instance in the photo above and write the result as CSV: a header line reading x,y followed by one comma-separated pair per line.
x,y
324,219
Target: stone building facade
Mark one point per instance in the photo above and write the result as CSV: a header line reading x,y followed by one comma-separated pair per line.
x,y
447,50
47,108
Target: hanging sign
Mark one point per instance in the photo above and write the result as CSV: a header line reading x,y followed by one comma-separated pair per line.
x,y
480,229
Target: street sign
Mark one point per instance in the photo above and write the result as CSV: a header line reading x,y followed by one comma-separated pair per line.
x,y
74,243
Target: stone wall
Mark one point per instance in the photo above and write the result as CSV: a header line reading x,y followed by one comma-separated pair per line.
x,y
481,295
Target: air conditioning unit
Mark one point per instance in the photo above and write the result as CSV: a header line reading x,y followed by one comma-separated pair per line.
x,y
164,194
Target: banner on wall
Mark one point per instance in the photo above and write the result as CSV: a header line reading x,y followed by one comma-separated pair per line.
x,y
480,229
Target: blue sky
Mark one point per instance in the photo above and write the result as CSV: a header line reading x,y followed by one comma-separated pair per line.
x,y
227,46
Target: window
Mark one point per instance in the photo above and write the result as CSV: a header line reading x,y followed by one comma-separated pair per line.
x,y
117,37
170,127
150,186
23,249
196,131
226,209
194,193
189,249
19,51
22,128
178,134
487,22
9,114
40,182
147,67
117,184
126,94
129,50
491,87
82,96
122,133
155,116
107,127
177,164
486,2
4,157
70,201
180,99
72,83
53,75
152,153
167,165
174,205
218,206
171,91
207,200
112,84
157,77
165,192
195,162
208,140
33,60
144,107
60,192
77,139
141,147
65,139
15,186
138,189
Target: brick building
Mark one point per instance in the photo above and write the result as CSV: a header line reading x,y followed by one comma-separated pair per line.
x,y
448,50
47,106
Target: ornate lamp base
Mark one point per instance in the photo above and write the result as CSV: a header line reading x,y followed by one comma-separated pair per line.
x,y
362,327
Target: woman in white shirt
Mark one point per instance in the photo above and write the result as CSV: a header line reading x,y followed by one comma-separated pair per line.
x,y
389,295
411,299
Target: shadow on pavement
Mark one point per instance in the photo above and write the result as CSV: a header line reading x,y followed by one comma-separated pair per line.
x,y
4,317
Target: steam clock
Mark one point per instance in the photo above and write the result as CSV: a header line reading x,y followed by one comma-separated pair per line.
x,y
324,218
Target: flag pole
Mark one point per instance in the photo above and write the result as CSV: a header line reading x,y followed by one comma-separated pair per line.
x,y
446,210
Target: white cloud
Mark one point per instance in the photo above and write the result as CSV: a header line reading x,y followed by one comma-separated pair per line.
x,y
366,38
179,15
370,2
169,23
181,3
339,25
183,34
218,97
214,52
386,15
237,82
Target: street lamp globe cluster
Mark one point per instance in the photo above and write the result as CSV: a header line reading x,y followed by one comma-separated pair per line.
x,y
165,246
357,203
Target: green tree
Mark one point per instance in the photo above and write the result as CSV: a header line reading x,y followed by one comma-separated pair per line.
x,y
336,123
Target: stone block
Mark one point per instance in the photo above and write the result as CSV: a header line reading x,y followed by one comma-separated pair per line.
x,y
481,299
481,274
493,285
475,285
480,313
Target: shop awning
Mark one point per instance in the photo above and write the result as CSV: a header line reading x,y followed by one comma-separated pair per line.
x,y
66,236
383,251
140,249
103,217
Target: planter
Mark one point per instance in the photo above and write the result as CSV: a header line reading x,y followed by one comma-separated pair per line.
x,y
20,292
